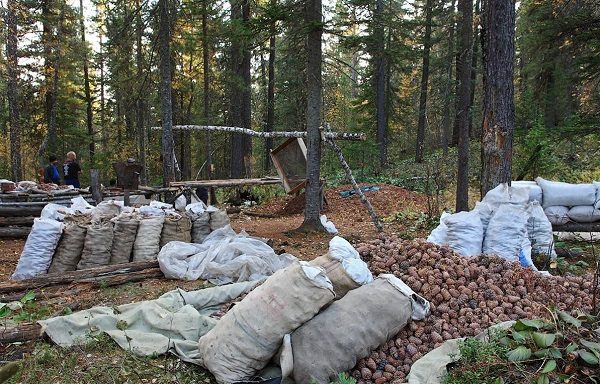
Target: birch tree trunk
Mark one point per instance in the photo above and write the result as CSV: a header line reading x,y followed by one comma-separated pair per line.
x,y
498,98
12,90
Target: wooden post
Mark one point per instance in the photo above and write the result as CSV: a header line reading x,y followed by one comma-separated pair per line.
x,y
95,185
338,151
126,197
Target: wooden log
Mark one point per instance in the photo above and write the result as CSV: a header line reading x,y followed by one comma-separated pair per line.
x,y
577,227
20,333
20,211
24,220
226,183
14,232
85,275
250,132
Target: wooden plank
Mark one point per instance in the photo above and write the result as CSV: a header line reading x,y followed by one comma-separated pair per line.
x,y
577,227
226,183
14,232
85,275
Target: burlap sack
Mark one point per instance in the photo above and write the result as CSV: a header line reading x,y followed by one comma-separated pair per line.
x,y
246,338
342,282
97,246
176,228
147,240
218,219
347,330
68,252
200,227
126,226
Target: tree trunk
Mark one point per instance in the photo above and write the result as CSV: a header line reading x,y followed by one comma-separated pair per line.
x,y
88,94
424,84
312,209
380,82
140,102
236,99
104,131
206,101
465,51
246,92
165,94
270,124
498,97
472,133
447,111
12,91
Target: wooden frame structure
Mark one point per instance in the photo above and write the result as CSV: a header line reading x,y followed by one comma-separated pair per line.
x,y
290,184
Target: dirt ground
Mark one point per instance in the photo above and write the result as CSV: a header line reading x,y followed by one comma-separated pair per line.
x,y
275,219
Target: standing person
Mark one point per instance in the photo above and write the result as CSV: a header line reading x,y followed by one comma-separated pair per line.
x,y
51,174
72,170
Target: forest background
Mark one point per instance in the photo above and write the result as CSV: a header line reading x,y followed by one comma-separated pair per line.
x,y
89,82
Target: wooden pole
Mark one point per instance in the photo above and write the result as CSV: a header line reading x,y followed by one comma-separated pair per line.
x,y
14,232
338,151
250,132
95,185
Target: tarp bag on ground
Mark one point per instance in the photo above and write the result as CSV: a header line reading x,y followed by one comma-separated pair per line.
x,y
584,214
249,335
147,240
70,247
565,194
126,226
347,330
39,249
177,227
465,233
439,235
97,246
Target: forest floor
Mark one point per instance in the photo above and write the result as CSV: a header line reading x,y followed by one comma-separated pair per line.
x,y
403,212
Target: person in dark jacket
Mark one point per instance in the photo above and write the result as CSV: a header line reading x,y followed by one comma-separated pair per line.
x,y
72,170
51,174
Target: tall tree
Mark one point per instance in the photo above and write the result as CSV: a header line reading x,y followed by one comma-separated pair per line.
x,y
498,97
270,121
424,84
465,52
314,24
12,91
86,85
241,145
380,81
140,106
447,110
165,93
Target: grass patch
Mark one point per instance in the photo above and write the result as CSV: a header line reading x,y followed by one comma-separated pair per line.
x,y
102,361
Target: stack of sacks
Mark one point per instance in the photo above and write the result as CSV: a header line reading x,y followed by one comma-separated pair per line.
x,y
205,220
564,202
504,223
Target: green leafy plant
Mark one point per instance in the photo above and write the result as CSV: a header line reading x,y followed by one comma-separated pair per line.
x,y
565,349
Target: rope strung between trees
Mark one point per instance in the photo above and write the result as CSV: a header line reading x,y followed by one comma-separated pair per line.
x,y
266,135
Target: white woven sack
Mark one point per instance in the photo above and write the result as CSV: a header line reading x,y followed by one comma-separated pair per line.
x,y
535,191
465,233
569,195
584,214
506,232
557,215
39,249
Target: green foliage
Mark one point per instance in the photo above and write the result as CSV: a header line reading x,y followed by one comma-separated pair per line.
x,y
343,378
26,309
536,351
